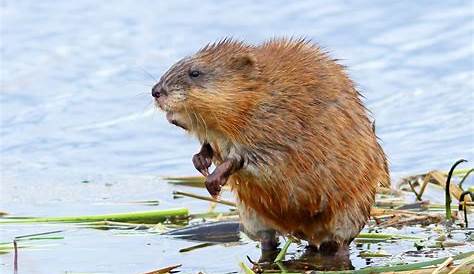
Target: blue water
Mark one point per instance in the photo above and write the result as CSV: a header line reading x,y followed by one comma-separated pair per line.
x,y
75,101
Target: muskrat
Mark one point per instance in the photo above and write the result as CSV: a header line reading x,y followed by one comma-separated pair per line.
x,y
287,130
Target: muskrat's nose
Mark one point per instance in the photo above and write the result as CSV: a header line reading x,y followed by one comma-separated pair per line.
x,y
158,90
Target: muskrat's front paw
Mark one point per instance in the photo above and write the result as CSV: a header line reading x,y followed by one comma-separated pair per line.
x,y
214,183
202,163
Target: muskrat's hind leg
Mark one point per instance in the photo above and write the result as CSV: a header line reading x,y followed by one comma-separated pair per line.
x,y
268,245
268,239
257,230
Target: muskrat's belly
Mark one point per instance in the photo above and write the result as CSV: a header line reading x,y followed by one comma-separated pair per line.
x,y
304,210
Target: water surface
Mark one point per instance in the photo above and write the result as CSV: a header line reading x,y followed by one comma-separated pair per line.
x,y
79,132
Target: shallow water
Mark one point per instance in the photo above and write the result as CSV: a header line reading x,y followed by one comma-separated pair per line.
x,y
75,106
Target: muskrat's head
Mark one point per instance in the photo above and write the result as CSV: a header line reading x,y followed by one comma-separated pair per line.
x,y
200,91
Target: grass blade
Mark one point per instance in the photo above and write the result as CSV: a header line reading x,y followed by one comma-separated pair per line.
x,y
146,217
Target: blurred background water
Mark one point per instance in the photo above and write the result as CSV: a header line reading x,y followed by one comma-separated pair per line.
x,y
78,126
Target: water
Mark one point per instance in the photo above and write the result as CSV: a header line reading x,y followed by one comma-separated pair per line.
x,y
75,105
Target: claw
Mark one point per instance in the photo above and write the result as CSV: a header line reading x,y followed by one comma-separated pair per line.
x,y
214,183
220,175
203,160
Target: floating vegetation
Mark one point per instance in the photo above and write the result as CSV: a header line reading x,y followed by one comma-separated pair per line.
x,y
246,269
447,187
194,247
385,236
284,249
439,264
205,198
147,202
436,178
372,254
29,241
144,217
192,181
394,209
408,267
169,269
106,225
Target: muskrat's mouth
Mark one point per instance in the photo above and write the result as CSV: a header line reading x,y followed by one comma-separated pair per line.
x,y
174,119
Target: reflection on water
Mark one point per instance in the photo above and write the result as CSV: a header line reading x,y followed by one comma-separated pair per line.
x,y
75,105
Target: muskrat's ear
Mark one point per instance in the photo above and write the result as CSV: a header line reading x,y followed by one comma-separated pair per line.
x,y
243,61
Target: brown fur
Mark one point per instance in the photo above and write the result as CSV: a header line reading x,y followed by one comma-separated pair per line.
x,y
311,159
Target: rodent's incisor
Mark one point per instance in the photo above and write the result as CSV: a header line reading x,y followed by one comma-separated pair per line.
x,y
286,129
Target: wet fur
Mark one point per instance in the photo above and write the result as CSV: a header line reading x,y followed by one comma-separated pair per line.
x,y
311,159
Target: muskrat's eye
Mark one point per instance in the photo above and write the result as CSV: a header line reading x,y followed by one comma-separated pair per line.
x,y
194,73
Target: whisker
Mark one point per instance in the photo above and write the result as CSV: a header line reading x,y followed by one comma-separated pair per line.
x,y
197,119
137,82
149,105
205,127
142,93
190,119
149,74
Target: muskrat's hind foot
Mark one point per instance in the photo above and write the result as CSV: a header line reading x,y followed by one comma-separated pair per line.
x,y
330,256
203,159
332,248
268,240
329,248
